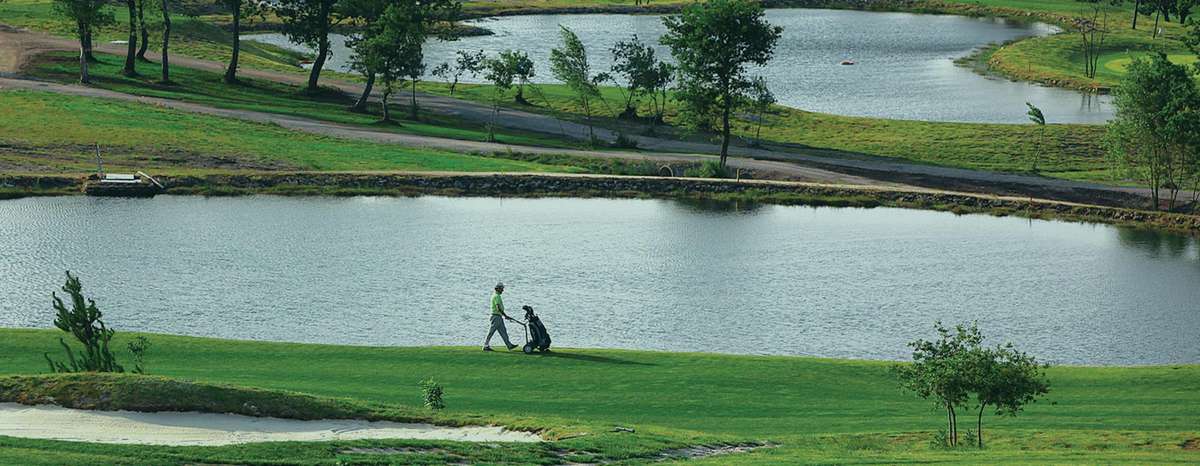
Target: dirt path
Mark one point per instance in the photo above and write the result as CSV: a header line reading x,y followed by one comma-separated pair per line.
x,y
790,163
209,429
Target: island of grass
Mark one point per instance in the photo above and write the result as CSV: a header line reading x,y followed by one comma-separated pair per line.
x,y
799,410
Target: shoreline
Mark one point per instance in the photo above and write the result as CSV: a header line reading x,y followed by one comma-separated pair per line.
x,y
472,349
620,187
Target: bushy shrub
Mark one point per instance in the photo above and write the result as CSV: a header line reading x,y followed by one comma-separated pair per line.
x,y
708,169
138,348
432,392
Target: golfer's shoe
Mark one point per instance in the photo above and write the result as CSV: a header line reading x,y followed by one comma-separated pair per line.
x,y
510,347
488,348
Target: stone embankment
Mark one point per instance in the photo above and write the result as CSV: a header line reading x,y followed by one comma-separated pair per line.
x,y
547,185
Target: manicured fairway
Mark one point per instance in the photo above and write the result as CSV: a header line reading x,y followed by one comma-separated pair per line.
x,y
815,409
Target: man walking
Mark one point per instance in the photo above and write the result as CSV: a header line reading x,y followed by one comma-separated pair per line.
x,y
498,318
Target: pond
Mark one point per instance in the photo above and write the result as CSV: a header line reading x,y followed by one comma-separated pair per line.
x,y
644,274
904,62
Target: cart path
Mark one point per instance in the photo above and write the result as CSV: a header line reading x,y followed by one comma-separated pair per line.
x,y
793,163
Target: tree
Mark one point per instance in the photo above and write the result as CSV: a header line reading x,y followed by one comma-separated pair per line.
x,y
1006,380
392,49
1093,28
464,63
144,40
1154,132
239,9
713,42
499,72
1039,119
657,85
82,321
88,15
166,42
634,63
523,72
420,19
569,64
941,371
131,43
761,100
308,22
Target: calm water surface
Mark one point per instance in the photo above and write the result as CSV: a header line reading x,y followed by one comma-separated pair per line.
x,y
662,275
905,62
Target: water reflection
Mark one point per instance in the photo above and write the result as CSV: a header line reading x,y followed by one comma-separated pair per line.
x,y
1159,245
903,70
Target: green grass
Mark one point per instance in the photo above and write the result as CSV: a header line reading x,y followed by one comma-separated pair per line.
x,y
816,410
56,133
208,88
1068,150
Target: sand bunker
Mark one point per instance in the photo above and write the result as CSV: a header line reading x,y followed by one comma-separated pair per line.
x,y
193,428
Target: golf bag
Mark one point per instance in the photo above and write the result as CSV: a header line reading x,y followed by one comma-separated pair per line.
x,y
536,337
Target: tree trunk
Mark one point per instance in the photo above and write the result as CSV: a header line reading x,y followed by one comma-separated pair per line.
x,y
231,71
131,48
725,132
979,427
166,66
87,45
453,85
1136,5
413,112
1156,15
387,92
83,60
360,105
145,35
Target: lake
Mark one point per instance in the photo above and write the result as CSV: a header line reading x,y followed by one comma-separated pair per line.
x,y
644,274
905,62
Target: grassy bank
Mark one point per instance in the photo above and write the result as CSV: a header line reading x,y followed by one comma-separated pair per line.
x,y
816,410
1067,151
56,134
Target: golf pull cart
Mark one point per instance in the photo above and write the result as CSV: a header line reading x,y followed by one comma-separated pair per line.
x,y
536,338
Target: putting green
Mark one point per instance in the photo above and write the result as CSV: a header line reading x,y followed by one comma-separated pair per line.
x,y
1117,63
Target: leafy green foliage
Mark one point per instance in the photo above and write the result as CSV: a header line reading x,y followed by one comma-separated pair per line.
x,y
502,72
432,394
138,347
1156,131
569,63
82,321
713,42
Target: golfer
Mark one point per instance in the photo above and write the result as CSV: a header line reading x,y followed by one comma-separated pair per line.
x,y
498,318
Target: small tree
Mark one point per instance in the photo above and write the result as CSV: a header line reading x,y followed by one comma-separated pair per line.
x,y
82,321
1092,26
657,86
1039,119
761,100
499,72
143,33
713,42
165,63
432,393
522,70
465,62
940,371
1007,380
569,64
87,16
138,348
633,63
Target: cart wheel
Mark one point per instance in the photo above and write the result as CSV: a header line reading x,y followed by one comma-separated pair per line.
x,y
528,348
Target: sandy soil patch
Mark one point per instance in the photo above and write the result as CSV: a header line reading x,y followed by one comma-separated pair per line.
x,y
193,428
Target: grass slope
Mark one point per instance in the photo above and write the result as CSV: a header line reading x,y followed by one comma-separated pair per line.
x,y
56,133
816,410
